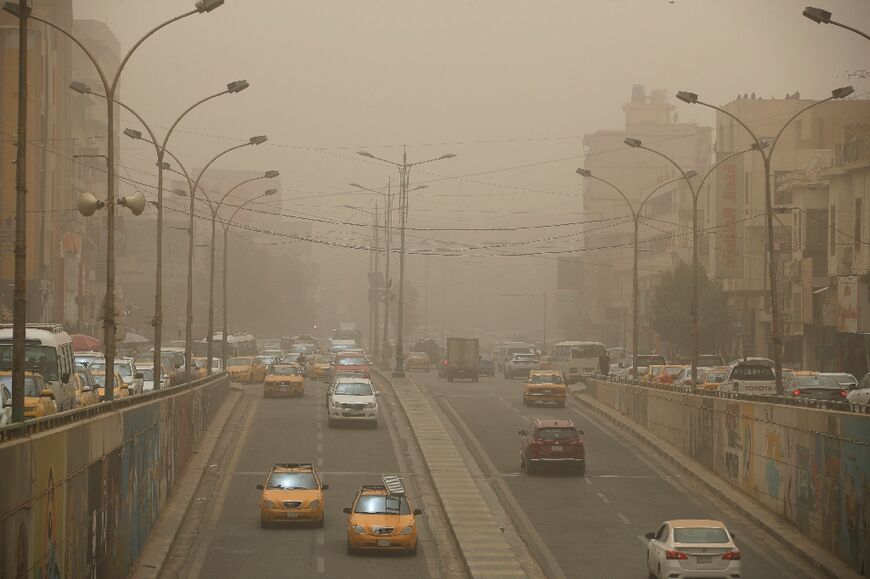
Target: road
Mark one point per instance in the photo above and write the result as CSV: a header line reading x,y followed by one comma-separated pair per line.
x,y
231,543
590,526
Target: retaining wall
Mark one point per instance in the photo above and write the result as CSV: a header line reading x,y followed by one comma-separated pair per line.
x,y
810,466
80,500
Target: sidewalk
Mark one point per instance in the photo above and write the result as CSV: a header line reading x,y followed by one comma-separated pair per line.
x,y
802,547
480,537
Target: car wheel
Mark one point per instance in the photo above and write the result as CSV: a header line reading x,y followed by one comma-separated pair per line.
x,y
350,550
413,551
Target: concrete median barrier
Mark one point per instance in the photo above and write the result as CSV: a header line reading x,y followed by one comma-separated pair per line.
x,y
80,500
809,466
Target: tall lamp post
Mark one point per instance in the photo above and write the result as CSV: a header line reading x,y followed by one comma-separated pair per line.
x,y
820,16
404,175
110,87
635,216
374,274
226,225
160,148
188,335
776,330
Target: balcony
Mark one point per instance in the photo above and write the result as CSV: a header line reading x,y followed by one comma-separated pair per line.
x,y
852,153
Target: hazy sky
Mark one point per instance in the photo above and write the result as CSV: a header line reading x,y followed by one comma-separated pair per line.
x,y
501,83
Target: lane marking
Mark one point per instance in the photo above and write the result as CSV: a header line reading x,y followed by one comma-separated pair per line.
x,y
623,518
603,498
588,480
321,537
642,539
319,448
321,565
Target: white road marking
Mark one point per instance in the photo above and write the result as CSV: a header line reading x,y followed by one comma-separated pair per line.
x,y
603,498
319,448
643,539
319,436
623,518
321,538
588,480
321,565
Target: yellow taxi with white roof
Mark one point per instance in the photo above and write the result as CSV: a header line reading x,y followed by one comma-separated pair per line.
x,y
382,519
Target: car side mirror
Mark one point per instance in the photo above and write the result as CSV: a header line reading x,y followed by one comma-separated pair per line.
x,y
581,432
346,510
324,487
650,536
259,487
523,432
47,394
733,536
64,377
8,403
378,393
418,511
138,375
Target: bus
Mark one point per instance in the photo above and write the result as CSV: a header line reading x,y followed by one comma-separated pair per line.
x,y
48,350
237,345
577,360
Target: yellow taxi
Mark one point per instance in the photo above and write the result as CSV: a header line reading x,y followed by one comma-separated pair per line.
x,y
284,380
38,398
417,361
292,492
652,373
121,390
246,369
85,388
381,519
545,387
711,378
319,369
200,366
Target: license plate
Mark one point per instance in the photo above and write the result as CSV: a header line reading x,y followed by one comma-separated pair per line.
x,y
383,542
704,559
556,449
291,515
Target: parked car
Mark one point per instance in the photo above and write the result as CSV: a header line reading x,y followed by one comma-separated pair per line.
x,y
556,442
692,548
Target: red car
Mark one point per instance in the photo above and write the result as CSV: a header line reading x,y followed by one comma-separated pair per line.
x,y
352,362
554,442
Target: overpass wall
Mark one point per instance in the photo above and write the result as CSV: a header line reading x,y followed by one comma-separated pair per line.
x,y
811,466
80,500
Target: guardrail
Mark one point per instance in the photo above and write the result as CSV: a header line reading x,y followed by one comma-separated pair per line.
x,y
767,398
34,425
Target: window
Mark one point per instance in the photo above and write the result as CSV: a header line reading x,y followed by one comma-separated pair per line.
x,y
832,236
858,209
700,535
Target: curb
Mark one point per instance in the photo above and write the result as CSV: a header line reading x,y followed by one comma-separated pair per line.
x,y
790,538
152,559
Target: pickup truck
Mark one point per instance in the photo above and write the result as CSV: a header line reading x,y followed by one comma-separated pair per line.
x,y
749,376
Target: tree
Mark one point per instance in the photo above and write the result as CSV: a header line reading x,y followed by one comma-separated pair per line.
x,y
672,316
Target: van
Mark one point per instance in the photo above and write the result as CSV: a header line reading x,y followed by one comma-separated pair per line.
x,y
48,351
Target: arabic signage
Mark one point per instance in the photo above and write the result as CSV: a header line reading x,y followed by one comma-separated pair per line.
x,y
847,304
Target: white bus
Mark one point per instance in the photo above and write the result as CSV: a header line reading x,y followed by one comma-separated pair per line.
x,y
48,351
577,360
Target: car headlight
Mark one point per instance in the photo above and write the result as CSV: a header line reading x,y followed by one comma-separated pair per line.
x,y
315,504
269,504
407,530
359,530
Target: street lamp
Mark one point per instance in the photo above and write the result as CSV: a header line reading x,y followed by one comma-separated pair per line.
x,y
820,16
765,149
404,178
188,335
233,87
110,87
226,225
635,216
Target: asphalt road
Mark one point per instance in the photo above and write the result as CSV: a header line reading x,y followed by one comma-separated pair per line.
x,y
590,526
231,542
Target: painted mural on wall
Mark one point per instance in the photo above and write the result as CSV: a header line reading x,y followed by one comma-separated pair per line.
x,y
810,466
97,488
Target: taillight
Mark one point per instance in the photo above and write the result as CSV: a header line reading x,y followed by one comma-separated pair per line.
x,y
731,556
676,555
796,392
536,442
843,393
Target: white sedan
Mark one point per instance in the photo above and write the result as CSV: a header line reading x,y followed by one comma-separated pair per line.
x,y
860,394
687,548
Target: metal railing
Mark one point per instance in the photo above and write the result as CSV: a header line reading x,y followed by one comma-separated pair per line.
x,y
45,423
838,406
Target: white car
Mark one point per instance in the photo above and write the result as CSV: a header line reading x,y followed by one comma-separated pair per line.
x,y
692,548
353,399
126,369
86,358
861,393
5,406
148,378
520,365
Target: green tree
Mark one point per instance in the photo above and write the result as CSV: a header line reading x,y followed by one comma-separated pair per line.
x,y
671,311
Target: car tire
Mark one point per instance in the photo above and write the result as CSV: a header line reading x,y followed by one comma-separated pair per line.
x,y
413,551
350,550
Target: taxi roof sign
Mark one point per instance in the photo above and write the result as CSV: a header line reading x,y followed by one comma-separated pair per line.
x,y
394,484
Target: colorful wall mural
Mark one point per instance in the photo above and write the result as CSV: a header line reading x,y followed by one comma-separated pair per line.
x,y
81,500
811,466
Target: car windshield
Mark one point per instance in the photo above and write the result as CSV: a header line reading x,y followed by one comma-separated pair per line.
x,y
587,351
284,371
843,379
556,433
85,359
353,389
714,377
524,357
352,362
752,372
31,385
673,371
292,480
816,382
121,368
266,359
239,362
546,379
42,359
382,505
147,374
700,535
